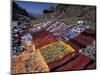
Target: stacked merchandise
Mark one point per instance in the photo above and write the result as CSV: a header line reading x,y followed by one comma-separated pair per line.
x,y
65,32
82,40
18,31
25,38
70,32
41,26
29,61
53,26
54,46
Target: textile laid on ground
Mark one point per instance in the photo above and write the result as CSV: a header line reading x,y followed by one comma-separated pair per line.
x,y
78,63
42,41
56,26
55,51
40,34
20,29
71,62
82,40
69,32
56,63
55,46
30,60
61,33
75,31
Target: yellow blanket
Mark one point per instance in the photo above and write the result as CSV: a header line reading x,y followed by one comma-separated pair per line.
x,y
55,51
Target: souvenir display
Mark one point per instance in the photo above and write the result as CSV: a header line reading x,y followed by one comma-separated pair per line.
x,y
52,37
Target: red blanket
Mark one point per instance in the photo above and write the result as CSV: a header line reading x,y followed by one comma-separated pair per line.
x,y
42,41
77,64
84,39
90,31
91,66
40,34
58,62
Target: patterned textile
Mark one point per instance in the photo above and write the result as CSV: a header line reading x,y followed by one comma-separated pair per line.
x,y
56,63
55,46
73,61
55,51
81,41
30,60
69,32
77,63
40,42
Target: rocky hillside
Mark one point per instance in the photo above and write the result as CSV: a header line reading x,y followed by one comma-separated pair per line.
x,y
71,14
17,12
77,12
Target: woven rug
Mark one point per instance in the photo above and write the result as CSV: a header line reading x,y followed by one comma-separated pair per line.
x,y
55,51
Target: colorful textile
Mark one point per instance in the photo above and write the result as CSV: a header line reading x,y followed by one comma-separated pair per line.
x,y
84,39
76,64
55,51
55,64
69,33
39,34
42,41
30,60
73,45
54,46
